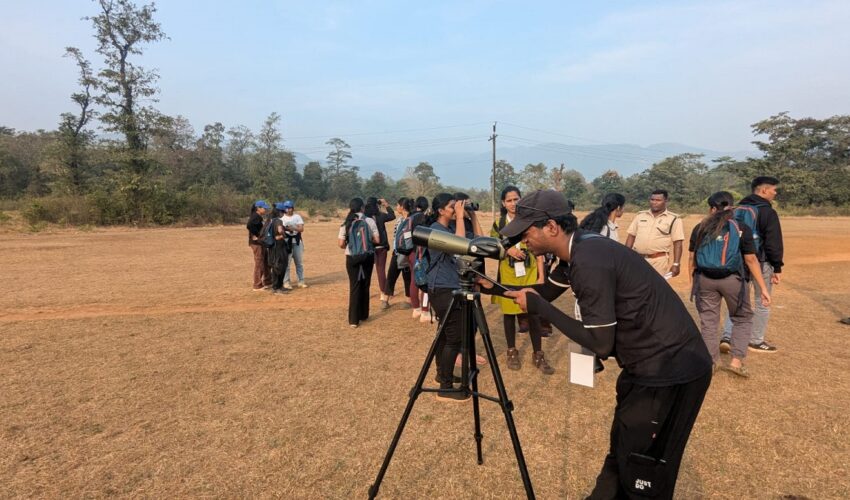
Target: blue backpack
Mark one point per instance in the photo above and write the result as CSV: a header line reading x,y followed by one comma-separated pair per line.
x,y
421,266
748,215
403,238
360,245
720,257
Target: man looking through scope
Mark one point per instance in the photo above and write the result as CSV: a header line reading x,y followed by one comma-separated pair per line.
x,y
627,310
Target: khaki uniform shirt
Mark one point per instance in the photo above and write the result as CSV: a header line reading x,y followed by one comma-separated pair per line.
x,y
656,234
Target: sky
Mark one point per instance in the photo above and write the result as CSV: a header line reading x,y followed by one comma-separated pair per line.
x,y
396,78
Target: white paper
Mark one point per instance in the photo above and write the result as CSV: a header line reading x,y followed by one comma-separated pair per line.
x,y
519,269
407,235
581,365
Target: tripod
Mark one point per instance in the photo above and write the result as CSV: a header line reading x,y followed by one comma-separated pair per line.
x,y
472,314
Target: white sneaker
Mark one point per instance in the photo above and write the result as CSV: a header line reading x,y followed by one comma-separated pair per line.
x,y
417,313
287,286
302,285
425,317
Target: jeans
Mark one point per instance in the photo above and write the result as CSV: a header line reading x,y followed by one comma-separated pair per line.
x,y
297,256
760,313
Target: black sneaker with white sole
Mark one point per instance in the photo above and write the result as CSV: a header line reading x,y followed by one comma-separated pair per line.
x,y
762,347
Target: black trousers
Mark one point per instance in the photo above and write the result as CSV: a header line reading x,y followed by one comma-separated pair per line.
x,y
448,344
359,281
648,437
393,274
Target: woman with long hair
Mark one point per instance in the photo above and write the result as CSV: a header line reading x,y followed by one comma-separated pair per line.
x,y
373,210
262,276
399,264
447,214
358,263
519,269
417,296
278,255
603,219
710,249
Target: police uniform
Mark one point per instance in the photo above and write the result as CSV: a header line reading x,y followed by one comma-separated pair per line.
x,y
654,237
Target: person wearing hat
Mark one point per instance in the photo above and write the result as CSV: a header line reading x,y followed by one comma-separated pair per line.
x,y
293,225
626,310
656,233
262,276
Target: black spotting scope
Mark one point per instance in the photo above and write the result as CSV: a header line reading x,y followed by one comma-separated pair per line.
x,y
480,246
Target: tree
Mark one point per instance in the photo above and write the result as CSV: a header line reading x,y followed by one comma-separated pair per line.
x,y
609,182
421,180
505,175
237,155
376,185
69,156
313,183
683,176
574,186
121,30
534,177
338,157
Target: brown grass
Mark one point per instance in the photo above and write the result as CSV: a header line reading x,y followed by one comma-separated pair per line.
x,y
139,363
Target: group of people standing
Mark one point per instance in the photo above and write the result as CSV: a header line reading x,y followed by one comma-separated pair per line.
x,y
275,239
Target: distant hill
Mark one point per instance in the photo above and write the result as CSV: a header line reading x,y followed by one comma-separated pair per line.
x,y
473,169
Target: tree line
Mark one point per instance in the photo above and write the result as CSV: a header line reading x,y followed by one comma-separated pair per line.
x,y
146,167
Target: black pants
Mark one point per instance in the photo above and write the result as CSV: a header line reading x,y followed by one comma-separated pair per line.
x,y
510,320
359,281
393,274
448,344
650,424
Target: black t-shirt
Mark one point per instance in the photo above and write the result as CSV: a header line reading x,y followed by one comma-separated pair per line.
x,y
255,227
656,341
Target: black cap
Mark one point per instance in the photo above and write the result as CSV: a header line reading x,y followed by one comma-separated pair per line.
x,y
538,206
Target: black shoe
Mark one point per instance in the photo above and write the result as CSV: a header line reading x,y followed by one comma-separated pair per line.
x,y
455,379
762,347
453,397
597,365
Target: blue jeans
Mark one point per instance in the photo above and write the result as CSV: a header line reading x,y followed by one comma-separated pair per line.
x,y
297,255
760,313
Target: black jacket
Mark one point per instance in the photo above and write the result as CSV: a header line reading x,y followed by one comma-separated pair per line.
x,y
769,231
381,220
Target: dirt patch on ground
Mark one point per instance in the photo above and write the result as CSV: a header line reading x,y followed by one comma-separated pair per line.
x,y
140,363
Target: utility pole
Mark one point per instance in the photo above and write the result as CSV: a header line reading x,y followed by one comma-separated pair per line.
x,y
493,180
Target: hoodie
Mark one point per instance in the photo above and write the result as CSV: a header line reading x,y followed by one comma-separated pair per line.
x,y
769,231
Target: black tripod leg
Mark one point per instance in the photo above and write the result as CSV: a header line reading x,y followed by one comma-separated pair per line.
x,y
469,360
414,393
507,405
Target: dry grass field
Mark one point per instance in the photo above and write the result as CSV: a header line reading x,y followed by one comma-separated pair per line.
x,y
139,363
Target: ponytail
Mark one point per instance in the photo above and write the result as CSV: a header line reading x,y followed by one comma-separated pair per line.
x,y
713,224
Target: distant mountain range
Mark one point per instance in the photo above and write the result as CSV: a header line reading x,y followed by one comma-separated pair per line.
x,y
473,169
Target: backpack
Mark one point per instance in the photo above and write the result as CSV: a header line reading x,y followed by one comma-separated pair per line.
x,y
748,215
403,238
720,257
360,245
267,234
421,266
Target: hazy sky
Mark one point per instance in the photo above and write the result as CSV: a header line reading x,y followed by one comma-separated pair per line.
x,y
637,72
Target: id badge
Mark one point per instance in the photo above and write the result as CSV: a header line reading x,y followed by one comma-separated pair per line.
x,y
519,269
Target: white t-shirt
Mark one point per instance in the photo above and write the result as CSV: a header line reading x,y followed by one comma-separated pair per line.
x,y
610,230
369,222
291,220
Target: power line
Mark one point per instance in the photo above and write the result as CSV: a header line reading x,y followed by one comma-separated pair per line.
x,y
388,132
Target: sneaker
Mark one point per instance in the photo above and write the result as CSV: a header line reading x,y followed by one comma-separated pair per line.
x,y
425,317
353,325
763,347
513,359
725,345
540,362
287,286
417,312
740,371
452,397
302,285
